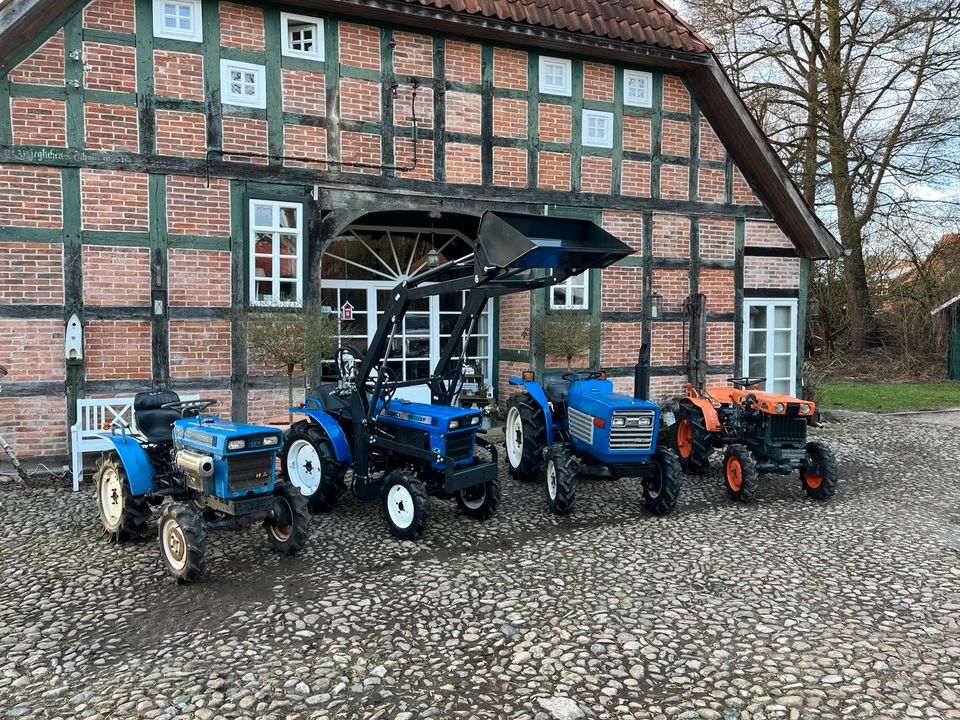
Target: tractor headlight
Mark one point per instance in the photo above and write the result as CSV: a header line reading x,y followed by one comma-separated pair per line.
x,y
475,420
453,425
804,409
236,444
271,440
779,408
618,422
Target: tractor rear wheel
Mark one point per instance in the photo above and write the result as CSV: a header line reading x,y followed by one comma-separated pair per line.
x,y
661,490
560,480
183,542
525,436
819,475
289,530
406,505
309,463
691,441
740,474
480,501
123,515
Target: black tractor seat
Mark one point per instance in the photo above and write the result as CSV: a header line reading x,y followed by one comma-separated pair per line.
x,y
333,403
556,387
153,421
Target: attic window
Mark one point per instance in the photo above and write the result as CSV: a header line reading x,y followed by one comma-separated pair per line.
x,y
597,129
637,88
177,19
555,76
302,36
242,84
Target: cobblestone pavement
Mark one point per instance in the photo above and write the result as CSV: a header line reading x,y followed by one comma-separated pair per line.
x,y
785,609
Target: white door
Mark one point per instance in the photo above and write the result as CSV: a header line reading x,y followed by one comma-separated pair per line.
x,y
770,343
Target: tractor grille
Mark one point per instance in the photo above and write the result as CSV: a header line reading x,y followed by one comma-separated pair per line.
x,y
786,428
460,445
638,432
249,472
581,425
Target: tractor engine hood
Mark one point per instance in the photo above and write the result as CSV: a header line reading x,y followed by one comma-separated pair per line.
x,y
220,437
523,242
433,418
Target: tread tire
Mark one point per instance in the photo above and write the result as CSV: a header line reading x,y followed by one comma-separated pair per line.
x,y
564,501
487,508
331,487
194,532
822,456
534,431
134,513
670,481
421,504
749,480
698,460
298,532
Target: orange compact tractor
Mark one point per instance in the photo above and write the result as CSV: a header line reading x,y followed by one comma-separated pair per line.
x,y
762,432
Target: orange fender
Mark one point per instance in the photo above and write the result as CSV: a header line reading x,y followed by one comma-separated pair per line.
x,y
711,420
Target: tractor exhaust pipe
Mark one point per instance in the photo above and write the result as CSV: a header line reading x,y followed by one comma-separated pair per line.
x,y
195,464
641,374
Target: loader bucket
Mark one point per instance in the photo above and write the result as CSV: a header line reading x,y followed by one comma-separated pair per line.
x,y
514,241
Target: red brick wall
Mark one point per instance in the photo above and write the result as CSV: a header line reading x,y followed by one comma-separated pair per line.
x,y
463,163
554,123
245,135
113,200
195,207
183,134
199,348
403,104
509,118
109,67
304,92
199,278
37,121
758,233
719,287
116,15
636,133
673,286
710,146
763,272
595,174
361,148
360,100
598,82
675,95
462,61
635,178
506,371
403,156
31,273
104,285
35,426
712,185
241,26
111,127
117,350
413,54
305,141
666,343
178,75
554,171
627,225
621,343
622,289
662,387
717,241
44,66
264,406
676,137
671,236
30,196
674,182
510,167
509,68
360,45
742,194
39,350
720,343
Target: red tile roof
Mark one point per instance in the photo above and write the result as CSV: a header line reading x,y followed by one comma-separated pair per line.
x,y
650,22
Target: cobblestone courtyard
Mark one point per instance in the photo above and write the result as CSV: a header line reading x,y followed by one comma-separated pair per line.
x,y
788,608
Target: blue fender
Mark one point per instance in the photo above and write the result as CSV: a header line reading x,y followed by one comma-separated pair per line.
x,y
536,392
314,410
135,462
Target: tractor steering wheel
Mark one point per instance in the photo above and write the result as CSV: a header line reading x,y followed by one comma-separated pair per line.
x,y
193,407
745,382
348,360
586,375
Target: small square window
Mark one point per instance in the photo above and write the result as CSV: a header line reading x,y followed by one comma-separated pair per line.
x,y
571,294
302,36
597,128
637,88
177,19
242,84
555,76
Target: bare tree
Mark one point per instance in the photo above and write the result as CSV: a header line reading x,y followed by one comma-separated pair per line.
x,y
861,99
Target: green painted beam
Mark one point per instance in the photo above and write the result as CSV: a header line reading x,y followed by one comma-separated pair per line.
x,y
274,84
331,48
33,235
46,92
616,166
109,97
239,383
533,119
73,79
802,321
303,64
254,57
6,120
211,75
146,113
486,114
576,127
386,80
656,135
115,238
109,36
441,85
739,241
159,321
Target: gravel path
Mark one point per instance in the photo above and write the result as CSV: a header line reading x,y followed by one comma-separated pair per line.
x,y
785,609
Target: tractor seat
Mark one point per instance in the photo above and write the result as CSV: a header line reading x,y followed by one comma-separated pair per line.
x,y
155,422
556,387
333,403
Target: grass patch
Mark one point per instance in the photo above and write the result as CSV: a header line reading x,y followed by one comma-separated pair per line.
x,y
889,397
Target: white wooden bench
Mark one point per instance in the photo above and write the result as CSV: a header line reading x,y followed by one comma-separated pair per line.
x,y
87,434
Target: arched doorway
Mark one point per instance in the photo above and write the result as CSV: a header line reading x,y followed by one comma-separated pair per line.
x,y
366,261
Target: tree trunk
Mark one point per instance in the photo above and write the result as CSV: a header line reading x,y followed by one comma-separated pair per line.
x,y
290,394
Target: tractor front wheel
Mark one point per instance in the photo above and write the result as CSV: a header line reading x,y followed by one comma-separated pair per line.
x,y
740,474
560,480
525,435
691,441
819,474
289,529
183,542
406,505
123,515
661,490
309,463
480,501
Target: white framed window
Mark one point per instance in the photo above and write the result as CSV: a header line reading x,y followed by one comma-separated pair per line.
x,y
242,84
302,36
637,88
177,19
555,76
571,294
275,253
770,343
597,128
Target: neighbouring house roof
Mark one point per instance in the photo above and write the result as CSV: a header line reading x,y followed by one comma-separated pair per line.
x,y
638,32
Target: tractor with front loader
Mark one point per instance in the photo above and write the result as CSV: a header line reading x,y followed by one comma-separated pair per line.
x,y
761,432
573,424
405,452
200,473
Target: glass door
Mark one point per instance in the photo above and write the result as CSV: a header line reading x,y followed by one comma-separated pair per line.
x,y
770,343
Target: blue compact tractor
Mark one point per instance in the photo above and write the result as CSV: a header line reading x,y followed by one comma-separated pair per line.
x,y
574,424
203,473
404,452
